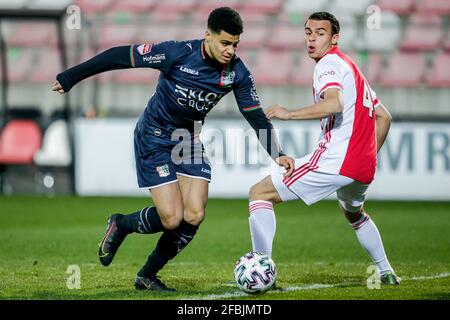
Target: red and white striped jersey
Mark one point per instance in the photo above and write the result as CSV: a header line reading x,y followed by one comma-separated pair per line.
x,y
347,143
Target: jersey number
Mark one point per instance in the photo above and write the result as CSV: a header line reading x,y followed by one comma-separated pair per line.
x,y
367,99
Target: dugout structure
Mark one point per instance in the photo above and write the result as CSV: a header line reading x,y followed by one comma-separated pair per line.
x,y
7,111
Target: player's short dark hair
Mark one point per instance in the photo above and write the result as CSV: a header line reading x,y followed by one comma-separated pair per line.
x,y
335,27
226,19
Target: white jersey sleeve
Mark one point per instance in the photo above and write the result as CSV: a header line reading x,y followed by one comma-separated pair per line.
x,y
374,99
328,73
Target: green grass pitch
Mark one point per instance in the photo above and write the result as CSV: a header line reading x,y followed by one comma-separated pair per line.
x,y
316,251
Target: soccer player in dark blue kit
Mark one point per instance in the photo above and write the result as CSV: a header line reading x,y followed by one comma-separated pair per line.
x,y
195,75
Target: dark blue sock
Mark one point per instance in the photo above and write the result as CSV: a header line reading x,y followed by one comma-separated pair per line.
x,y
146,220
168,246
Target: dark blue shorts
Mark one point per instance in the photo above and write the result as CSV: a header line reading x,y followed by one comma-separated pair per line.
x,y
157,164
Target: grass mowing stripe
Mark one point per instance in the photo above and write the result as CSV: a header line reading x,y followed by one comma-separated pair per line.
x,y
41,237
314,286
439,276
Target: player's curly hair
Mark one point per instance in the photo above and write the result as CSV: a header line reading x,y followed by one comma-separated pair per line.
x,y
322,15
226,19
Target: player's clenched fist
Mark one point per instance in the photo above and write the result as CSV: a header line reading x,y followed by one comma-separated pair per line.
x,y
56,86
278,112
288,163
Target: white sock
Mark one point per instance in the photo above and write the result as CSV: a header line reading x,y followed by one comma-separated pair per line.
x,y
262,226
370,239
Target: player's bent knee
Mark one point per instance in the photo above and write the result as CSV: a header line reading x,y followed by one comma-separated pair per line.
x,y
194,217
171,222
263,191
171,217
352,214
255,192
350,209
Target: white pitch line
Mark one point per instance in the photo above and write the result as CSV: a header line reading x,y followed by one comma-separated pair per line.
x,y
309,287
315,286
238,294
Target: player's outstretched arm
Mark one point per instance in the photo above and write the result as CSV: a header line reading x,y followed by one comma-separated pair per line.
x,y
268,138
111,59
332,103
383,121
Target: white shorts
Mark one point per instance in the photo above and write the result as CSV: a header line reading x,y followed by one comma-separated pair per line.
x,y
313,184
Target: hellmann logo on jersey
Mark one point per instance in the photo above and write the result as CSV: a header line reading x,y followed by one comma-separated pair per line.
x,y
157,58
190,71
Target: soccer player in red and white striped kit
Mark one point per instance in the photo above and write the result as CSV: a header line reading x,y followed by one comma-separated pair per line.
x,y
354,127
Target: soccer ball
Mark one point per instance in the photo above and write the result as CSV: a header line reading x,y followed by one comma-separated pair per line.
x,y
255,272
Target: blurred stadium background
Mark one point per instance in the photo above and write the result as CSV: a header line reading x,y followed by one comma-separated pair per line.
x,y
406,60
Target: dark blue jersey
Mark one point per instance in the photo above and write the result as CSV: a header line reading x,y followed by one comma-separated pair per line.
x,y
191,83
189,86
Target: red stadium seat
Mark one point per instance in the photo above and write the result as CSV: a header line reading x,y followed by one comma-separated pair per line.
x,y
287,36
251,18
302,73
254,38
120,17
372,68
350,8
208,6
193,31
248,17
89,6
137,76
426,19
424,32
404,70
370,65
136,6
199,16
441,7
116,35
184,6
440,72
33,34
305,7
107,77
349,30
262,6
43,71
385,38
247,57
273,68
166,17
20,61
294,18
402,7
446,42
156,33
19,141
